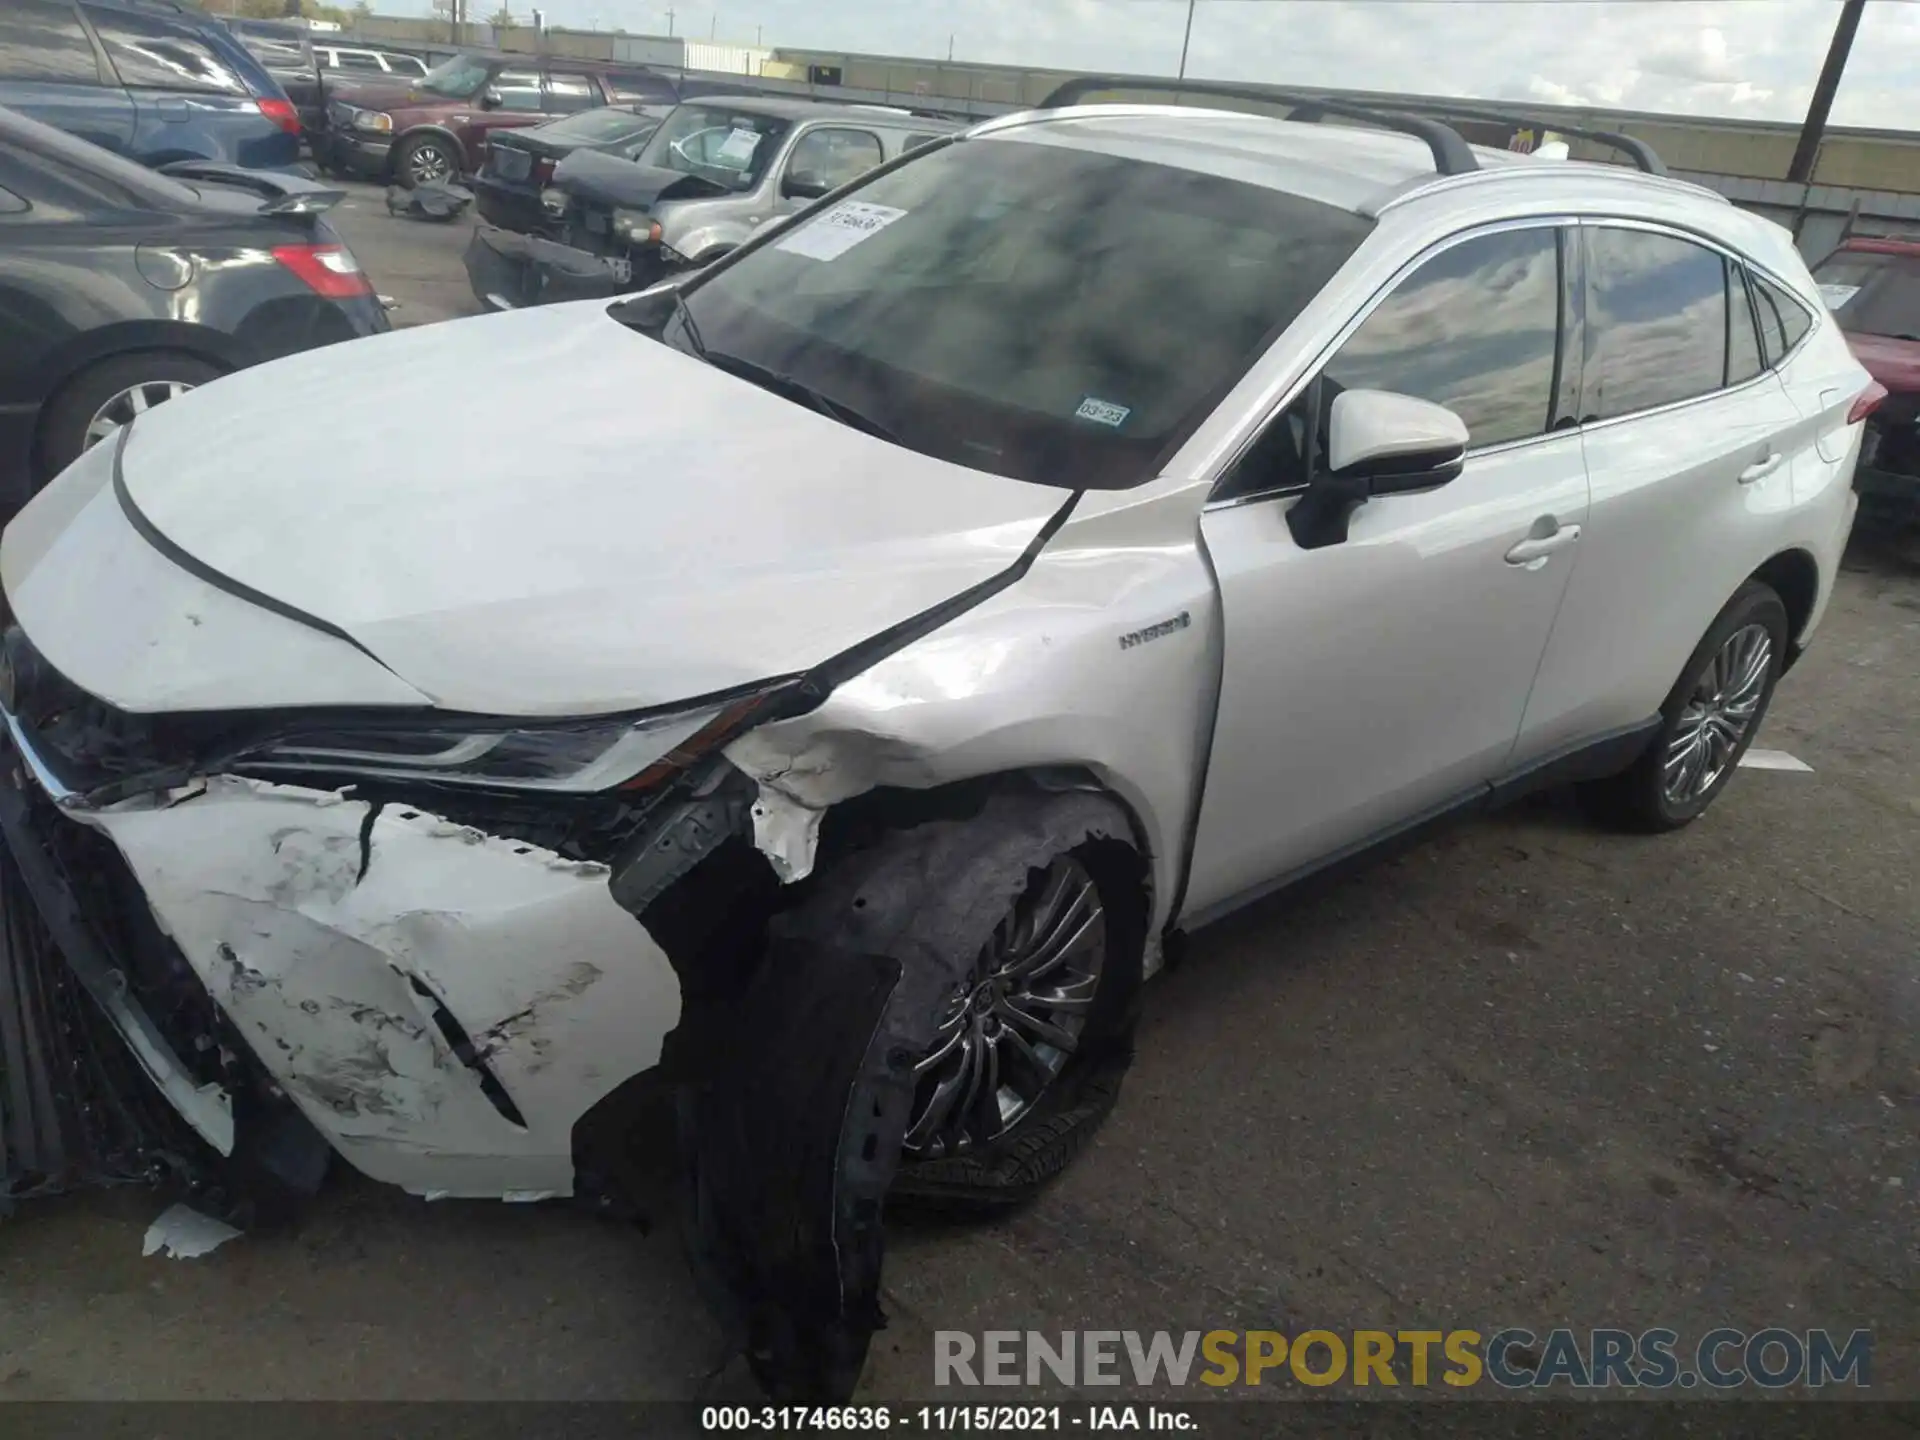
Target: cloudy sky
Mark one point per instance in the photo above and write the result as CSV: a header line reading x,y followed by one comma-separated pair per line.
x,y
1752,58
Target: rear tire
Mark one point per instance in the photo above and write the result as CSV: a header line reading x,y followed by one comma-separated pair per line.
x,y
116,388
1726,686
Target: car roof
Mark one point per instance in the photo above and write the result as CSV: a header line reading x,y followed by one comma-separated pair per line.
x,y
1352,167
1342,165
795,108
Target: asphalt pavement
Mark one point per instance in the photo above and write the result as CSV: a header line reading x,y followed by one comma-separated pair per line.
x,y
1526,1074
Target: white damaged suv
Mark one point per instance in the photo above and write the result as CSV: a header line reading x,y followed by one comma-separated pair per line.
x,y
822,688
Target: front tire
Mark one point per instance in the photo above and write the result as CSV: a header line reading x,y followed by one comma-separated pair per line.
x,y
1031,918
425,159
1707,723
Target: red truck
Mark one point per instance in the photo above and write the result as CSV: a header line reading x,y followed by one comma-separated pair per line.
x,y
1872,286
436,127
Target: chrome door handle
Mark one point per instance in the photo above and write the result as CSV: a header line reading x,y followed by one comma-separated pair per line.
x,y
1534,550
1762,467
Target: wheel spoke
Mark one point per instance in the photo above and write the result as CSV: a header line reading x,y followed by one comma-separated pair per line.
x,y
1075,997
1057,942
1035,1025
943,1047
946,1092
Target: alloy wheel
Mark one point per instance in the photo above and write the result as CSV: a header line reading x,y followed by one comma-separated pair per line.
x,y
130,403
1718,715
1006,1035
427,163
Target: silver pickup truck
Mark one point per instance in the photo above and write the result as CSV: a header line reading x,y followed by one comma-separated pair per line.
x,y
715,171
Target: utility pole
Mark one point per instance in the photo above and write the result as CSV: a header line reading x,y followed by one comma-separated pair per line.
x,y
1800,172
713,30
1186,40
949,48
669,24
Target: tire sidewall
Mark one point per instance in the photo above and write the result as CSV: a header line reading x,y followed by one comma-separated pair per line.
x,y
63,436
1754,604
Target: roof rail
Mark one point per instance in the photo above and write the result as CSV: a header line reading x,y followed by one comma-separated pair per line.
x,y
1451,154
1639,152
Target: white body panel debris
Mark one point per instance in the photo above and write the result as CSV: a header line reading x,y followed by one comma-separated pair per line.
x,y
1774,760
183,1233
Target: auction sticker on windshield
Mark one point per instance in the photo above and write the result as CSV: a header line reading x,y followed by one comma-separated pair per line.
x,y
835,231
739,146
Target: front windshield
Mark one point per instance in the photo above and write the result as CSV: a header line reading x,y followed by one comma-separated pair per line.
x,y
1872,292
1026,308
457,78
727,146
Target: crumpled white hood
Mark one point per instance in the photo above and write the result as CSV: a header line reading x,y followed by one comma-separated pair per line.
x,y
544,513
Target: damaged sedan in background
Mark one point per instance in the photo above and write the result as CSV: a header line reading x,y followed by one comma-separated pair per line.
x,y
713,173
1040,550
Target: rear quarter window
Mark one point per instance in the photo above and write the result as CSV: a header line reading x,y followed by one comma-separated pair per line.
x,y
1656,320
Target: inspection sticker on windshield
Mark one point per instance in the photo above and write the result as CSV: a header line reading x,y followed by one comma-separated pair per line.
x,y
1101,412
833,232
738,147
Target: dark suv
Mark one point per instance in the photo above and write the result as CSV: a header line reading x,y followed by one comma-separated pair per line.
x,y
436,127
1872,286
147,79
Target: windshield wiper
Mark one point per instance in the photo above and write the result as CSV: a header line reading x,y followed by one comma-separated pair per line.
x,y
778,384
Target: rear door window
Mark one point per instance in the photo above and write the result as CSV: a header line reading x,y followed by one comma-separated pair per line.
x,y
358,60
569,92
155,53
519,90
1656,321
42,40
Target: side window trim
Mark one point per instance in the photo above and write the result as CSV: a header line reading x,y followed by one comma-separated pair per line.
x,y
1756,276
108,77
1310,374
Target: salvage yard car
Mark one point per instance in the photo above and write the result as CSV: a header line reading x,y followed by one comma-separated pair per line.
x,y
889,642
122,288
416,131
713,172
513,187
1872,285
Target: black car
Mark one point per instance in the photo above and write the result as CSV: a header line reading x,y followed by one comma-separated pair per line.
x,y
121,287
518,164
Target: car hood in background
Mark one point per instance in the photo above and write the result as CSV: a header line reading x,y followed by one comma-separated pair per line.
x,y
608,180
384,94
545,513
1894,363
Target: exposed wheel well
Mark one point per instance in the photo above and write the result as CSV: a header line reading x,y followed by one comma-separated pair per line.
x,y
1795,578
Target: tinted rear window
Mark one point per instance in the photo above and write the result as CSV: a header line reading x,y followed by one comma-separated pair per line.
x,y
42,40
162,54
1872,293
600,127
1028,309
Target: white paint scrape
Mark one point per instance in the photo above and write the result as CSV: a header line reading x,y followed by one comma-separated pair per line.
x,y
185,1234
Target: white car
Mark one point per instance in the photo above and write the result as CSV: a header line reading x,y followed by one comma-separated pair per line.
x,y
826,687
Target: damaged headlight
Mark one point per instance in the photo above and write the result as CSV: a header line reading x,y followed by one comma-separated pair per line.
x,y
576,757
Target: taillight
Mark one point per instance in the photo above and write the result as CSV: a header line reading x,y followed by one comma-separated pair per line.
x,y
542,171
282,113
1866,402
328,270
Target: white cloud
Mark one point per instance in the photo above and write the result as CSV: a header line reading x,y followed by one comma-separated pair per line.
x,y
1751,58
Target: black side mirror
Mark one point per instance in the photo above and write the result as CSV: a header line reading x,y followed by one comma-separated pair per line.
x,y
491,99
1378,443
804,185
